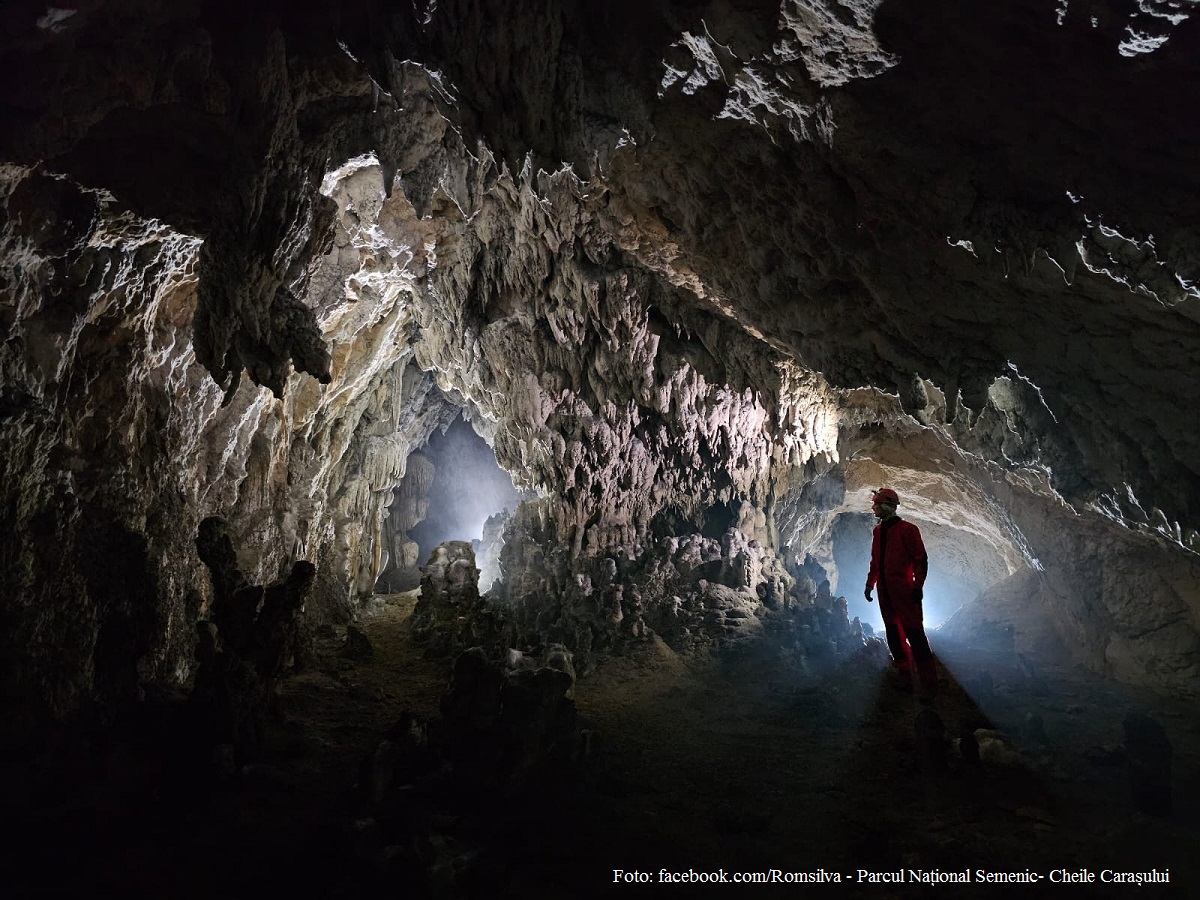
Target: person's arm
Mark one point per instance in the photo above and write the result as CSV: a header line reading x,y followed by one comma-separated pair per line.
x,y
873,571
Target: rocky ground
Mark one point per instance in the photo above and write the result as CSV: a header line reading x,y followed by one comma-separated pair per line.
x,y
734,761
734,765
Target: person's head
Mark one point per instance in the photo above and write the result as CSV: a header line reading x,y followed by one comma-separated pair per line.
x,y
884,502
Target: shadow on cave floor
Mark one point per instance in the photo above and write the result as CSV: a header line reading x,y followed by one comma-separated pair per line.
x,y
732,766
733,761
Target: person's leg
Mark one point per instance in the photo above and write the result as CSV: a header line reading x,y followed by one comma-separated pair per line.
x,y
922,653
893,628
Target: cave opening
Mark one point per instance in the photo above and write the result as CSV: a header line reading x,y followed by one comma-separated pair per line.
x,y
961,567
453,490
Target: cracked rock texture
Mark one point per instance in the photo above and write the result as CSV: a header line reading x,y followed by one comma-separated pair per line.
x,y
700,274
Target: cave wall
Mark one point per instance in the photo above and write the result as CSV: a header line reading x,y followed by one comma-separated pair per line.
x,y
116,437
677,259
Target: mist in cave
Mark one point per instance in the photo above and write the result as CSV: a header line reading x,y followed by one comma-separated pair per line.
x,y
468,488
952,583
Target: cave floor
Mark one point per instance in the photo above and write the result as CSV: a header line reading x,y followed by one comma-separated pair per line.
x,y
734,761
734,764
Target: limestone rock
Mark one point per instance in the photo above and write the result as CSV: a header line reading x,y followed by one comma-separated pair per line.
x,y
357,645
730,276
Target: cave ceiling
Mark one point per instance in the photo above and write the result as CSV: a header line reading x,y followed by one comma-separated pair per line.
x,y
663,254
880,191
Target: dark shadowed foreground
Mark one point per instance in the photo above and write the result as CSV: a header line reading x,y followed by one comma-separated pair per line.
x,y
734,762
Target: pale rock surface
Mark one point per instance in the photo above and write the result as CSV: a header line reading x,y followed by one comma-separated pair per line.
x,y
716,311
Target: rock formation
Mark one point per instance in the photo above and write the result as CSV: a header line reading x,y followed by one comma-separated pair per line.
x,y
700,274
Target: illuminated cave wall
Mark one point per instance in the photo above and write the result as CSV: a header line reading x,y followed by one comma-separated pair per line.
x,y
674,260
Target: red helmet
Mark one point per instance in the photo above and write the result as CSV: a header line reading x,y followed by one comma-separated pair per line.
x,y
885,495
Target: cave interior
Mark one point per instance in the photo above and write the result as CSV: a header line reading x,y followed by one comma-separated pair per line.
x,y
437,441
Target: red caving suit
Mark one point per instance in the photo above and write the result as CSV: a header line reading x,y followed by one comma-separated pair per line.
x,y
899,565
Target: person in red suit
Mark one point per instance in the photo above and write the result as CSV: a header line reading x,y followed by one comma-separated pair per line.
x,y
899,565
